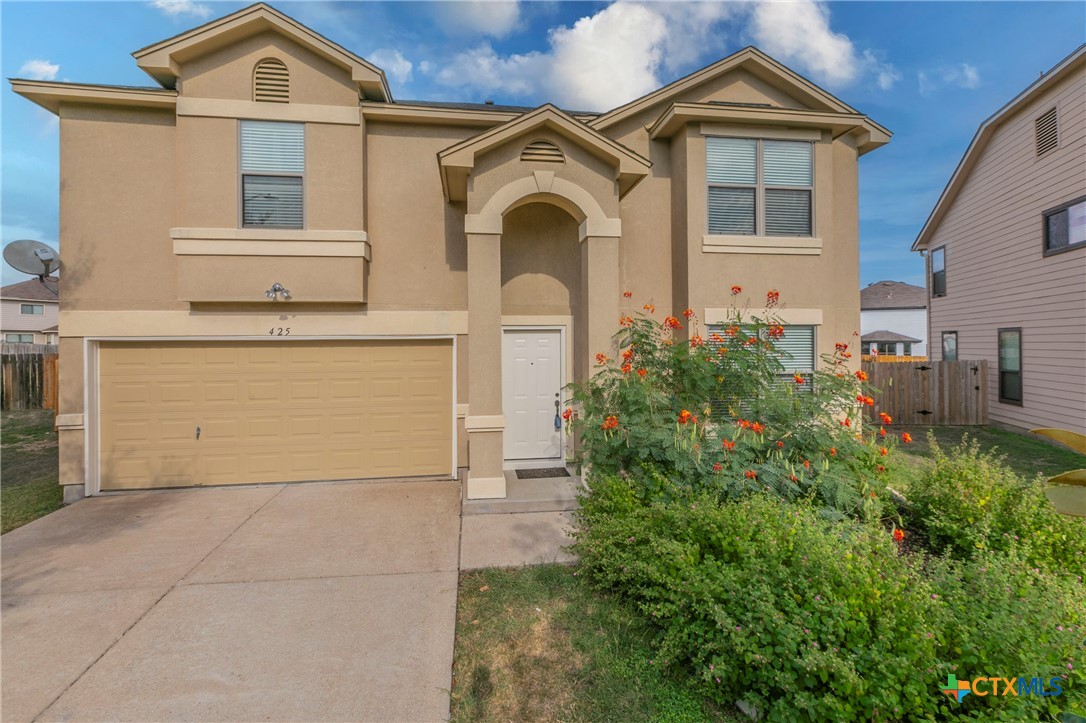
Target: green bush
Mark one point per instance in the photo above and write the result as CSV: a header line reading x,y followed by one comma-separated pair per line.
x,y
1001,617
972,504
767,602
718,414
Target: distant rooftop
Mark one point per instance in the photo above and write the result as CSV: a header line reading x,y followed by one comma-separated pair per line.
x,y
455,105
31,290
893,295
887,336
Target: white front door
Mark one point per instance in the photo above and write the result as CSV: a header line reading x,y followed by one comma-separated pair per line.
x,y
531,389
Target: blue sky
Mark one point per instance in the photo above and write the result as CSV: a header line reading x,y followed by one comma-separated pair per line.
x,y
931,72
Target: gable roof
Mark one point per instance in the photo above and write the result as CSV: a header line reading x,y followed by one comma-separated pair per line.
x,y
893,295
457,160
750,59
889,336
162,59
984,134
32,290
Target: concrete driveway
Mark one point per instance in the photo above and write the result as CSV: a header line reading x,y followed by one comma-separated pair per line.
x,y
301,602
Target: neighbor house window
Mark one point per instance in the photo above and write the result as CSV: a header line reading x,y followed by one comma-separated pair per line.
x,y
35,309
759,187
1065,226
886,348
19,338
950,346
1010,366
938,272
272,174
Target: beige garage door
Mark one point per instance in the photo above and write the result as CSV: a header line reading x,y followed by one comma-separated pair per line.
x,y
178,414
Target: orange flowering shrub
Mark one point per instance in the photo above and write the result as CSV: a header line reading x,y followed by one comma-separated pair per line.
x,y
708,406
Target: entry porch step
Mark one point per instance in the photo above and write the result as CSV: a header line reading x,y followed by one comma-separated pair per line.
x,y
551,494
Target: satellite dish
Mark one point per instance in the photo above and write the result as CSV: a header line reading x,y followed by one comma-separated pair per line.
x,y
32,257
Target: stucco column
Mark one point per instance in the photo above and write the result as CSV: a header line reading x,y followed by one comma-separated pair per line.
x,y
600,295
485,423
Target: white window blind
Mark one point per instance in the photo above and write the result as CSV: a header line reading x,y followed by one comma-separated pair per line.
x,y
786,163
732,160
268,147
272,167
796,349
731,210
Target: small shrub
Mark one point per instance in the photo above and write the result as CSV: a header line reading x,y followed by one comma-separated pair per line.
x,y
972,504
769,603
1000,616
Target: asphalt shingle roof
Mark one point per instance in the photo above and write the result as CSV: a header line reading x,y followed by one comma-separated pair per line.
x,y
893,295
31,290
883,335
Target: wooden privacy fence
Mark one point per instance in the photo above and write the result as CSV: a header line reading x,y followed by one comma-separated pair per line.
x,y
930,393
28,376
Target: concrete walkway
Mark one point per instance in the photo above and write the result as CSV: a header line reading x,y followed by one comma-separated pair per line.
x,y
302,602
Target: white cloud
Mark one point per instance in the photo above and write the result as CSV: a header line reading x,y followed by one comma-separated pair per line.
x,y
393,63
626,49
175,8
962,75
798,33
496,18
39,70
885,73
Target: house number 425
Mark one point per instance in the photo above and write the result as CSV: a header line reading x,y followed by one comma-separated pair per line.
x,y
279,331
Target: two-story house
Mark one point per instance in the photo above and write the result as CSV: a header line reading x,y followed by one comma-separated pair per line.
x,y
894,319
276,272
28,312
1006,254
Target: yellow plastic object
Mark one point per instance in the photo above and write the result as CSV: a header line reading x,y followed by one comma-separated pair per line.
x,y
1068,499
1075,478
1069,439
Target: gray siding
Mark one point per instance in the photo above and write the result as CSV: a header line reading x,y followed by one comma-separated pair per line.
x,y
997,275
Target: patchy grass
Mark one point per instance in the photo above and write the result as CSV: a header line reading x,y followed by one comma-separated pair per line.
x,y
1026,455
29,485
536,644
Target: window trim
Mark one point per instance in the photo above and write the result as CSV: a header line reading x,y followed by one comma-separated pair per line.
x,y
760,189
1045,251
303,175
999,367
942,345
24,312
931,272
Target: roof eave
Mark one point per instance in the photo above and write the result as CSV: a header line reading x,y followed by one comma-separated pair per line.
x,y
980,139
51,94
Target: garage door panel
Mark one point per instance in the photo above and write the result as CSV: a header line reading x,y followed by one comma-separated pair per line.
x,y
273,411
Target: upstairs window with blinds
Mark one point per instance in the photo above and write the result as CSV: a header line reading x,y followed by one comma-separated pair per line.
x,y
1046,132
272,174
271,82
759,187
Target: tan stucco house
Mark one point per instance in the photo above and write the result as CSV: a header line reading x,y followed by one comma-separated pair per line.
x,y
1006,254
28,312
275,271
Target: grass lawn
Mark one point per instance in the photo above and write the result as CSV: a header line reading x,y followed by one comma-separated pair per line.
x,y
28,468
536,644
1025,454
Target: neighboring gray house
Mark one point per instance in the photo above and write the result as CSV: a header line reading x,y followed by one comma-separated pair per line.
x,y
894,319
1006,252
28,312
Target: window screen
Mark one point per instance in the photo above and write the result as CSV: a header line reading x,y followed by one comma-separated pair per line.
x,y
272,167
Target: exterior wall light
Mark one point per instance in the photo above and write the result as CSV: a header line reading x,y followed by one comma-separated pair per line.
x,y
277,292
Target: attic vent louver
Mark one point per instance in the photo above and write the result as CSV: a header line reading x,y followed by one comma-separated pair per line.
x,y
271,82
1047,133
542,151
